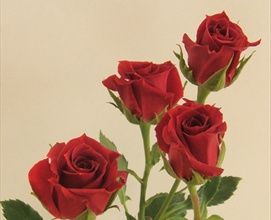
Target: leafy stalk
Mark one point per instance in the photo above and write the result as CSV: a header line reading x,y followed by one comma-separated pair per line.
x,y
167,201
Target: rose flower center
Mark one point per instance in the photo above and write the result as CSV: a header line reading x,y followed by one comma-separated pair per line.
x,y
196,124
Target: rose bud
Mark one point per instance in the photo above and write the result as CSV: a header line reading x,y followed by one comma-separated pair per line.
x,y
214,59
145,88
78,176
190,134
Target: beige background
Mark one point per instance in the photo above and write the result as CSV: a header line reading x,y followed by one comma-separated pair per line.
x,y
55,53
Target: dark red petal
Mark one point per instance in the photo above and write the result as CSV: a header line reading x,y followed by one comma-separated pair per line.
x,y
39,176
95,199
151,100
70,205
202,168
164,146
204,62
119,182
111,174
204,147
253,44
174,85
158,80
127,95
111,83
201,31
125,67
232,68
179,162
56,150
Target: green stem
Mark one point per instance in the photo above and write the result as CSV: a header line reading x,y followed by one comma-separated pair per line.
x,y
134,174
145,131
202,94
195,201
167,201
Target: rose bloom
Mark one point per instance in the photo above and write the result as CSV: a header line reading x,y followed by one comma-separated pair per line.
x,y
76,176
191,134
219,42
145,88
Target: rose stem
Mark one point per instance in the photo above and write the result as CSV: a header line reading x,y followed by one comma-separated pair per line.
x,y
195,201
167,201
145,131
202,94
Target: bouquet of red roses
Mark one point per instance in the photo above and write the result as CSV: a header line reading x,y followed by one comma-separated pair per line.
x,y
81,179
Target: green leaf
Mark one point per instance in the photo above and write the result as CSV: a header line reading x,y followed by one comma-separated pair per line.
x,y
87,215
18,210
186,71
176,218
215,217
106,142
217,190
240,67
217,80
122,166
176,207
155,154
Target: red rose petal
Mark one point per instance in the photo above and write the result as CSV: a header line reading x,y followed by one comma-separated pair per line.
x,y
39,177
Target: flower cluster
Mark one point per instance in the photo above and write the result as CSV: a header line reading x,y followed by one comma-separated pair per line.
x,y
80,179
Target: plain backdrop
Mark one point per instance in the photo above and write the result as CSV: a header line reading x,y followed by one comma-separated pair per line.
x,y
55,53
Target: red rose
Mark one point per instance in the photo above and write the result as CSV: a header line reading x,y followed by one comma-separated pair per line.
x,y
76,176
145,88
191,134
218,41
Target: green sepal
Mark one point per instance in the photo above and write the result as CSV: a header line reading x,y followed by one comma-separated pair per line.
x,y
217,81
186,71
155,154
168,167
221,156
122,196
123,109
87,215
197,179
240,67
158,117
175,209
215,217
130,117
111,200
18,210
117,102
